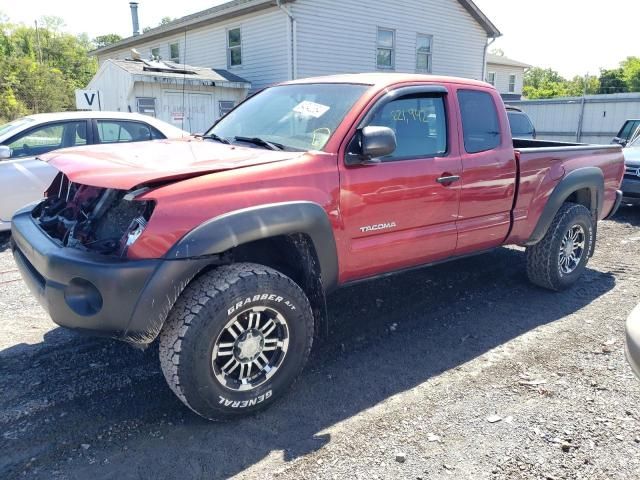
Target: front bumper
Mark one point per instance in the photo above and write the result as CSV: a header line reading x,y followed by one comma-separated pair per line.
x,y
632,347
116,297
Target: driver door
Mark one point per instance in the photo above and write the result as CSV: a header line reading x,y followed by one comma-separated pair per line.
x,y
24,178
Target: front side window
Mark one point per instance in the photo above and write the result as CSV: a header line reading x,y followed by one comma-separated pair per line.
x,y
512,83
297,117
480,124
424,46
386,44
420,125
491,78
174,52
118,131
234,47
46,138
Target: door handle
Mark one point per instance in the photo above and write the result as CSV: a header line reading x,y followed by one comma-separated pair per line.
x,y
448,180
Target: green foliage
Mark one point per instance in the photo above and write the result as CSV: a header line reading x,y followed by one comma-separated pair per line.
x,y
547,83
105,40
40,68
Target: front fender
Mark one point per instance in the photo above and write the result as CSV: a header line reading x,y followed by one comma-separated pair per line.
x,y
239,227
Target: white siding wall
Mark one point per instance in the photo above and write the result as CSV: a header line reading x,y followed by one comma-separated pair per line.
x,y
337,36
265,47
115,87
502,77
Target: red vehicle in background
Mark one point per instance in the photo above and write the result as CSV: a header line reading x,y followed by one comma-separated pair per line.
x,y
226,246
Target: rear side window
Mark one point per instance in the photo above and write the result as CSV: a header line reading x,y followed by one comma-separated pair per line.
x,y
520,124
117,131
480,125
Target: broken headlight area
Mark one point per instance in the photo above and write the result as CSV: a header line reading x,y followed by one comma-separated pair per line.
x,y
102,220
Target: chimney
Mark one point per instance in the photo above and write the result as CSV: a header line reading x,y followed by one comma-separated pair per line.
x,y
134,18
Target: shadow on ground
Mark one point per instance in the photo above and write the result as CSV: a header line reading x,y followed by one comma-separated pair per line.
x,y
114,398
628,214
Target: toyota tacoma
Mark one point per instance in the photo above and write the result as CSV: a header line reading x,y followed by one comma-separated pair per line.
x,y
224,247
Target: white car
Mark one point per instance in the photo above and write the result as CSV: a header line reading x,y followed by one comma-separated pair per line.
x,y
24,178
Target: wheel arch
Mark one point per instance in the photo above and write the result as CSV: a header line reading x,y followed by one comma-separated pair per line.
x,y
584,186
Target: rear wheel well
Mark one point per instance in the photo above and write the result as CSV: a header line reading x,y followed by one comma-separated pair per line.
x,y
581,197
295,256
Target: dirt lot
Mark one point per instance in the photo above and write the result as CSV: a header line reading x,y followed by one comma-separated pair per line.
x,y
461,371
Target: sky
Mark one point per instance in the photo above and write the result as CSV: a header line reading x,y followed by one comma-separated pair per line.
x,y
574,37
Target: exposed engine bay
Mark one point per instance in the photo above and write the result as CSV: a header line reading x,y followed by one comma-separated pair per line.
x,y
102,220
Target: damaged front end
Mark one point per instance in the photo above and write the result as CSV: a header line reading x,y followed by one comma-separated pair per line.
x,y
102,220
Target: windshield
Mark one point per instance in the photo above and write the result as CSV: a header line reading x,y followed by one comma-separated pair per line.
x,y
296,117
16,124
636,142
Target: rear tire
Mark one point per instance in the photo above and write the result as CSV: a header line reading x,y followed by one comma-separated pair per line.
x,y
236,340
558,260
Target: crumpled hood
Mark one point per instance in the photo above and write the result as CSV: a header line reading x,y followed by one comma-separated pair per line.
x,y
126,165
631,156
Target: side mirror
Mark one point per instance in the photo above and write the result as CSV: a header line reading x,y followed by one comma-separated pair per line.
x,y
5,152
373,143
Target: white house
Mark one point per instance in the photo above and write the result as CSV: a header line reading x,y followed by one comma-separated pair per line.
x,y
268,41
507,75
190,98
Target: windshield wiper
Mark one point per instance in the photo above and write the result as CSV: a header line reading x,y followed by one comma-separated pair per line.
x,y
261,142
217,138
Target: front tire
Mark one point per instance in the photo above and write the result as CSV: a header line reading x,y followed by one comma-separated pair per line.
x,y
236,340
558,260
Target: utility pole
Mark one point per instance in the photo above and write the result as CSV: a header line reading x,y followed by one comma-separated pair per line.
x,y
581,117
38,43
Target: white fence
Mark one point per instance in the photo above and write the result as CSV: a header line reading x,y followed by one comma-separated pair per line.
x,y
589,119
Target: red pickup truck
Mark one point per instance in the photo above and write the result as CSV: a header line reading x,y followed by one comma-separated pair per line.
x,y
225,247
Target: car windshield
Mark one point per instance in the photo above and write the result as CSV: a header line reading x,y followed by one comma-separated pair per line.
x,y
16,124
636,141
293,117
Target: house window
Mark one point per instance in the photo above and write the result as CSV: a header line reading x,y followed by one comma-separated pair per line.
x,y
424,46
491,78
385,56
234,47
512,83
146,105
155,53
174,52
225,106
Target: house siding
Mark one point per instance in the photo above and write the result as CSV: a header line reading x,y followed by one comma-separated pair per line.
x,y
334,36
502,77
265,47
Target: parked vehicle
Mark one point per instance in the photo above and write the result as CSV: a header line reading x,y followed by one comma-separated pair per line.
x,y
520,123
631,180
632,344
23,178
225,247
629,131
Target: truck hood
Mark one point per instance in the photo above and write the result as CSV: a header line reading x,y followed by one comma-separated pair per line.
x,y
127,165
632,156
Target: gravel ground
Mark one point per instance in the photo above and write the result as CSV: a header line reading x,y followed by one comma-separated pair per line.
x,y
460,371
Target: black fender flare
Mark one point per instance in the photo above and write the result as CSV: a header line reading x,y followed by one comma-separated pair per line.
x,y
222,233
590,178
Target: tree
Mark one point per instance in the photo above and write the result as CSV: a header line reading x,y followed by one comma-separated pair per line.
x,y
544,83
612,81
631,73
105,40
39,70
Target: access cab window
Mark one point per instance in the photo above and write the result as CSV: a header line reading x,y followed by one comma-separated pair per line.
x,y
117,131
420,124
480,124
48,137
